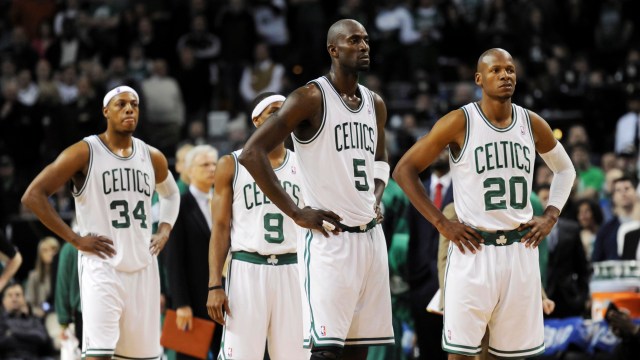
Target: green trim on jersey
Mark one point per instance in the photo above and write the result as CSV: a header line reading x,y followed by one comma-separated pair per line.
x,y
514,120
221,355
526,113
466,137
517,353
84,186
236,170
259,259
324,117
116,356
286,160
344,103
133,152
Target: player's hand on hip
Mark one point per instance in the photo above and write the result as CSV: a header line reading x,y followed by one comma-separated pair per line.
x,y
95,244
379,216
548,306
540,227
217,301
184,318
463,236
159,240
321,220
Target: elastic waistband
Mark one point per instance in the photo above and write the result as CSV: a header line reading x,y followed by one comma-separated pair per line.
x,y
502,237
360,229
255,258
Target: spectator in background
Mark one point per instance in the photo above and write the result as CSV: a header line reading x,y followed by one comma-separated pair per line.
x,y
38,286
423,260
27,89
193,76
164,108
627,128
22,335
606,198
629,332
138,66
590,177
80,117
624,197
262,76
69,48
270,17
20,49
188,247
67,292
29,14
206,46
9,193
590,219
43,40
12,263
67,86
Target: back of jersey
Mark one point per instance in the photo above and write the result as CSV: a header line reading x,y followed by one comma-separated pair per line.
x,y
257,225
337,162
493,174
115,202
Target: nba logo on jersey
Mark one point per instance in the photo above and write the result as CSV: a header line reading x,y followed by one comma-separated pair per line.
x,y
293,170
522,129
229,352
323,330
449,334
368,109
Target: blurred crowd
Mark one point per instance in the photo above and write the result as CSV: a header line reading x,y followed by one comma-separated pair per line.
x,y
197,65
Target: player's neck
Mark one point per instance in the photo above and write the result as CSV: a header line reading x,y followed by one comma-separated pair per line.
x,y
119,143
496,110
277,155
345,83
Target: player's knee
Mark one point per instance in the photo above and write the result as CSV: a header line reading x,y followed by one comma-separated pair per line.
x,y
332,353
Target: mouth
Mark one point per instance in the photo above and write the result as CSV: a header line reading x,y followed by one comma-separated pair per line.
x,y
507,85
128,120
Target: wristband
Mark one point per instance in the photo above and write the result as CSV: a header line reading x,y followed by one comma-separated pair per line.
x,y
215,287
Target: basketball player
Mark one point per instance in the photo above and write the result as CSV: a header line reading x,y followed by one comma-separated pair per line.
x,y
114,176
338,132
492,276
262,297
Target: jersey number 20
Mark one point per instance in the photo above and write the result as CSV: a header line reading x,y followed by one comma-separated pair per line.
x,y
494,199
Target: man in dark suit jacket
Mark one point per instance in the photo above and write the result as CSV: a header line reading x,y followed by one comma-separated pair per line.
x,y
605,246
567,270
422,259
630,246
188,246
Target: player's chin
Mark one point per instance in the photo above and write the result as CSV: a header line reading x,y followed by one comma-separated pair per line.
x,y
364,66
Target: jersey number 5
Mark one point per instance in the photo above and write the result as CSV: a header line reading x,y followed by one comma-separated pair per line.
x,y
360,175
495,199
125,221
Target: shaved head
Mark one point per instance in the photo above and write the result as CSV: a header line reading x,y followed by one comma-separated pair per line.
x,y
341,28
491,52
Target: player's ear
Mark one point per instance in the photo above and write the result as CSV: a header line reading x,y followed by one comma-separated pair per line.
x,y
105,110
478,79
333,50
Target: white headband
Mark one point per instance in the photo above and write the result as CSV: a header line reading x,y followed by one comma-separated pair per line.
x,y
266,102
116,91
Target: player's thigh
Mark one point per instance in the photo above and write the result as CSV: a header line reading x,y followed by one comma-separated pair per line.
x,y
372,322
245,332
471,285
285,334
517,326
332,284
102,305
140,323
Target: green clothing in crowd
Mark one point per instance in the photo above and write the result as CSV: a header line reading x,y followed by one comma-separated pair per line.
x,y
592,178
67,301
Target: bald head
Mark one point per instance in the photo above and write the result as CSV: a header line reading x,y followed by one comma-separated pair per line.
x,y
495,52
342,28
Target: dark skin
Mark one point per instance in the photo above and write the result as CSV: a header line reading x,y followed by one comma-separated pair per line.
x,y
73,163
301,114
496,75
221,212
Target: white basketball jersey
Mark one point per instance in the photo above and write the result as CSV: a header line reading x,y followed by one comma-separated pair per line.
x,y
493,174
115,202
337,162
257,225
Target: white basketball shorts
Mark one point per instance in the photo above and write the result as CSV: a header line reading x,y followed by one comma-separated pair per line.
x,y
499,287
265,304
345,288
120,310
